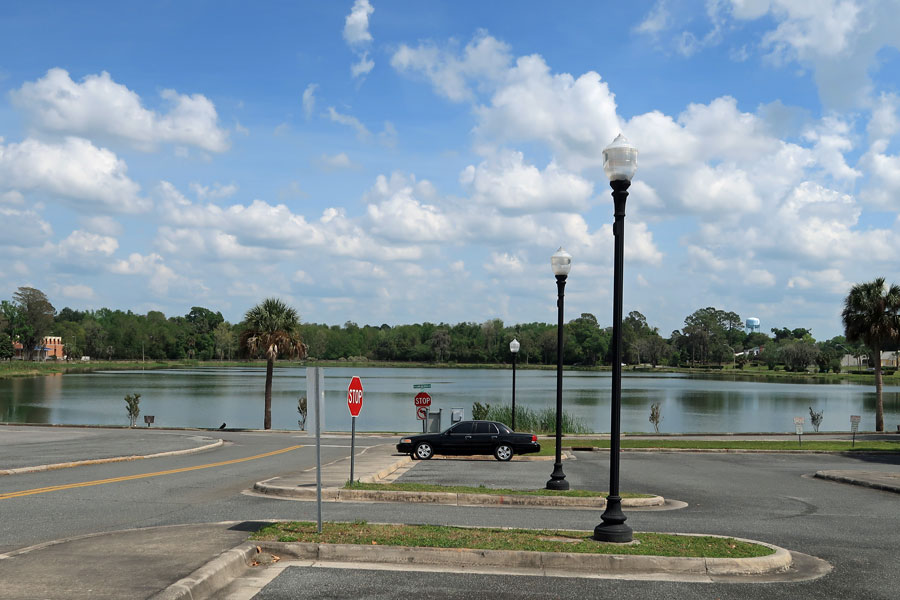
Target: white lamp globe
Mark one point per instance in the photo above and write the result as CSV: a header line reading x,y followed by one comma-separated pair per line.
x,y
514,346
620,159
561,262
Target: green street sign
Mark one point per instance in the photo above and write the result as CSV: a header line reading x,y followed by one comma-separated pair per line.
x,y
421,386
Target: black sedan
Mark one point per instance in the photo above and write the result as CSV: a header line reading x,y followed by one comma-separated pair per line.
x,y
471,437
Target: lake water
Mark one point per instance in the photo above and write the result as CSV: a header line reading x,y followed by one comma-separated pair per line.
x,y
207,397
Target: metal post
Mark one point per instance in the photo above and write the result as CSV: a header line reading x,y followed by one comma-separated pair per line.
x,y
352,447
613,527
315,390
514,393
558,478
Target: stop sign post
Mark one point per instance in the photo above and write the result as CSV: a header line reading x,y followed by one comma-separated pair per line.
x,y
354,405
422,402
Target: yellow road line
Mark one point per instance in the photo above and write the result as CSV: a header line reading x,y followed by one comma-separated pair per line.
x,y
68,486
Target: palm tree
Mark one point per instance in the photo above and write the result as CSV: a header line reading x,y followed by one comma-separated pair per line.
x,y
273,329
872,315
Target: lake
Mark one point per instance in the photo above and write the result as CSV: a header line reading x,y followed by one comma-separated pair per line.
x,y
210,396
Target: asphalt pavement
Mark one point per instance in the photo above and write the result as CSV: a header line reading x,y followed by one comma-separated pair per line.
x,y
155,530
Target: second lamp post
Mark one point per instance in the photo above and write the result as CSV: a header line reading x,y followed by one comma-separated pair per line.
x,y
561,262
514,348
619,163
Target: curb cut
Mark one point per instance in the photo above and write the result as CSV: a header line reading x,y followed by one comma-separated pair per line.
x,y
212,576
100,461
450,498
886,487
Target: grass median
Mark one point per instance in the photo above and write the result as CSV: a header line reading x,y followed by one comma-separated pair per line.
x,y
811,445
464,489
435,536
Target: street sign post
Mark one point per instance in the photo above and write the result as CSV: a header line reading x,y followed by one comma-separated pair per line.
x,y
354,405
854,427
798,426
422,402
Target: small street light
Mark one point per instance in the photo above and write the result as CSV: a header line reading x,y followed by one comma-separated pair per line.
x,y
619,163
561,262
514,348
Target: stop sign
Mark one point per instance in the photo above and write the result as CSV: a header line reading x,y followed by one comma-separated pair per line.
x,y
355,396
423,399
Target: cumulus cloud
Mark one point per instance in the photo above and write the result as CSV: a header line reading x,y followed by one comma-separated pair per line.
x,y
81,244
514,187
336,161
100,107
214,192
91,178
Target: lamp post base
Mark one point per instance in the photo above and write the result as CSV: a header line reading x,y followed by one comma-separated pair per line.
x,y
557,479
613,528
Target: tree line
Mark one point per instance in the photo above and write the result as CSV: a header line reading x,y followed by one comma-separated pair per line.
x,y
710,337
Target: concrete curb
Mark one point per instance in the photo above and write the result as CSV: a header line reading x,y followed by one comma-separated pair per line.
x,y
385,471
614,564
100,461
887,487
212,576
449,498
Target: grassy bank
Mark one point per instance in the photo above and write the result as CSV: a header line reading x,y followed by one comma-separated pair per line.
x,y
362,533
465,489
811,445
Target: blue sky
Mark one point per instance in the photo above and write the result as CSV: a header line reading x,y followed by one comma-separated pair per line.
x,y
395,161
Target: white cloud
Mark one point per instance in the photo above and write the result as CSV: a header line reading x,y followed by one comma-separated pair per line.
x,y
309,99
12,198
357,36
75,169
23,228
363,66
484,59
514,187
216,191
100,107
831,281
657,20
78,292
159,276
396,213
85,244
356,24
504,264
103,225
350,121
337,161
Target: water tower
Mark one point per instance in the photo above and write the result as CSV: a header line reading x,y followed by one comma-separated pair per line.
x,y
752,325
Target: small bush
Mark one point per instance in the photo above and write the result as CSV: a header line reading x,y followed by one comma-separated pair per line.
x,y
132,405
655,418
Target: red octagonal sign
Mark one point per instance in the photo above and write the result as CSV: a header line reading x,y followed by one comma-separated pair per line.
x,y
422,399
355,396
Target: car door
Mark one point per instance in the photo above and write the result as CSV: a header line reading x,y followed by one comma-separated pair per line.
x,y
485,437
459,438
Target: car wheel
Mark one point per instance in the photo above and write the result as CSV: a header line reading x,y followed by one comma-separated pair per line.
x,y
503,452
424,451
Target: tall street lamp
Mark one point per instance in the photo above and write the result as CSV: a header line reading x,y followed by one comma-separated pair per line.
x,y
561,262
619,163
514,348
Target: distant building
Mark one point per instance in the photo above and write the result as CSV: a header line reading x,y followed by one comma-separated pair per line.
x,y
51,346
752,325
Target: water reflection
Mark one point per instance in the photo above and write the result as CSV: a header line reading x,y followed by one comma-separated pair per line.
x,y
206,397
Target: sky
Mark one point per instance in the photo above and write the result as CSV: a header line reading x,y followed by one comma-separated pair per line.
x,y
394,161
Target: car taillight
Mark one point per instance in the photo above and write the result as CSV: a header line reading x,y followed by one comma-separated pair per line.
x,y
533,438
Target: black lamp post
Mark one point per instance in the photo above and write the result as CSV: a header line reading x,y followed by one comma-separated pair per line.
x,y
514,348
561,262
619,163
